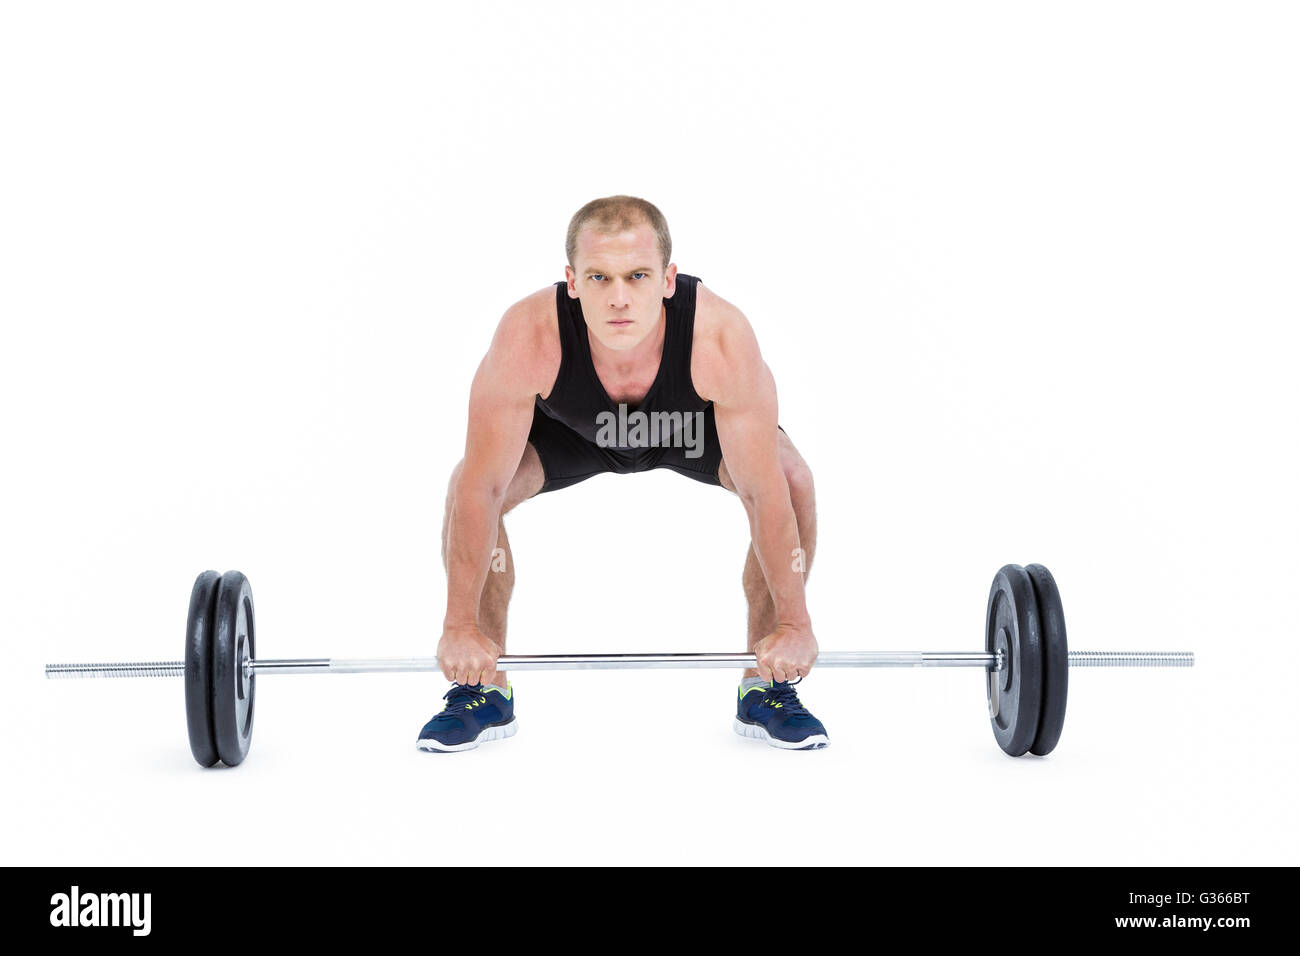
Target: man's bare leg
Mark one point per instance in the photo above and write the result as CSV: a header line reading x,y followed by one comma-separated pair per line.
x,y
762,610
494,601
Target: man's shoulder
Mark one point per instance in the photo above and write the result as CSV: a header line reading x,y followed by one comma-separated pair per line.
x,y
716,319
532,308
527,338
723,342
530,320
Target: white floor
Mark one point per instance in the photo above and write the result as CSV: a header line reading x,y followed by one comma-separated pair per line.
x,y
1148,771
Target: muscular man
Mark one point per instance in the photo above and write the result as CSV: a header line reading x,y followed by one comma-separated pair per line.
x,y
625,366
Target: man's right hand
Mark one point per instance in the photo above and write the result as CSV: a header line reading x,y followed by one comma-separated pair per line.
x,y
466,656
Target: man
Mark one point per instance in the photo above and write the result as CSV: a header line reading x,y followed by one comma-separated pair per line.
x,y
626,366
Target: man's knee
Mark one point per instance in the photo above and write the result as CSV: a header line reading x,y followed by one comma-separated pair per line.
x,y
803,501
451,498
800,479
526,482
451,487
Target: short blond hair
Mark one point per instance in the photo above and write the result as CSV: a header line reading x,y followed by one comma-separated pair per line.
x,y
618,214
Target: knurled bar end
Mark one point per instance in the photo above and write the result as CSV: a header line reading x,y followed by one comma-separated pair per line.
x,y
130,669
1132,658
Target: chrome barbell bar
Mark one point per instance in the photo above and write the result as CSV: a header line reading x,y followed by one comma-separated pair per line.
x,y
522,662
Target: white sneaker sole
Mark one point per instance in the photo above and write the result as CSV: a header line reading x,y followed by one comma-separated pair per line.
x,y
759,732
489,733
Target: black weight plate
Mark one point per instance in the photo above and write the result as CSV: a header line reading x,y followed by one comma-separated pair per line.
x,y
198,669
232,690
1012,622
1056,660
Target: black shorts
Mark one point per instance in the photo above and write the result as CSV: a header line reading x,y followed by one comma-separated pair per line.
x,y
568,458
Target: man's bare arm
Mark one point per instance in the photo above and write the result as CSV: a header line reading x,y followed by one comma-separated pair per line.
x,y
732,373
520,363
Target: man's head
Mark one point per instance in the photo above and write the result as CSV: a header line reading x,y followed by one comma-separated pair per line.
x,y
618,250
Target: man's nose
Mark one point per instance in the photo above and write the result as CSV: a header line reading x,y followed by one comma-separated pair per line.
x,y
619,294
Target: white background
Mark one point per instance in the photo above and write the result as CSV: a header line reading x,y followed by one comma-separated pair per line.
x,y
1025,274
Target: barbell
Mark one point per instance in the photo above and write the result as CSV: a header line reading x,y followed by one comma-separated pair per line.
x,y
1025,655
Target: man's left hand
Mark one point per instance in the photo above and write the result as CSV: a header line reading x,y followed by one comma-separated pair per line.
x,y
787,653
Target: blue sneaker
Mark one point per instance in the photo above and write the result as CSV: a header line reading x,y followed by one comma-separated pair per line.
x,y
773,713
473,714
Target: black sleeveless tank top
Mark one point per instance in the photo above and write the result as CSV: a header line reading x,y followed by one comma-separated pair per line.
x,y
577,397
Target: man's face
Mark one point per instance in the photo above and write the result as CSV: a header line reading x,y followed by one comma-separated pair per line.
x,y
621,283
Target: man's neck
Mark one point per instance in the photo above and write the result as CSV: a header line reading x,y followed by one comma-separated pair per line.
x,y
623,364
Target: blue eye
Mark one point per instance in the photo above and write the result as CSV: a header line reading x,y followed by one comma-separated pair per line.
x,y
638,274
